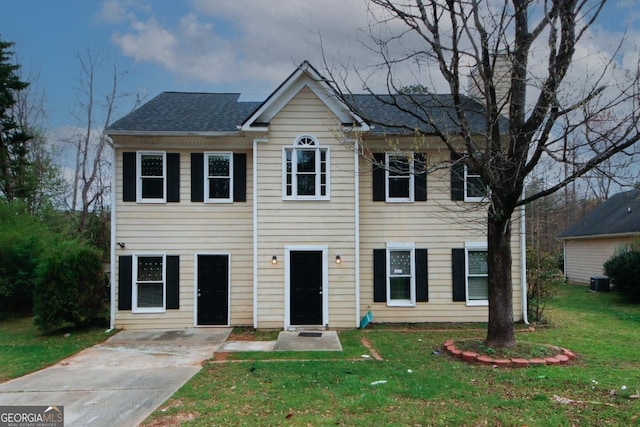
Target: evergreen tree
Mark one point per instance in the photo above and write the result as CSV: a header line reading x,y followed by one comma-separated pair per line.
x,y
17,180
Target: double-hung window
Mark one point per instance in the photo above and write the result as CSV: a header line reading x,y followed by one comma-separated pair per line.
x,y
474,188
149,285
306,170
476,274
218,175
152,172
400,177
401,274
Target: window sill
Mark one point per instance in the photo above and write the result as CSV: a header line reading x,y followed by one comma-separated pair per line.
x,y
477,200
150,201
148,310
306,199
399,201
400,304
477,303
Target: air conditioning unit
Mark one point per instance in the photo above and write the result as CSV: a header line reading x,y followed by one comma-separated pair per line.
x,y
599,284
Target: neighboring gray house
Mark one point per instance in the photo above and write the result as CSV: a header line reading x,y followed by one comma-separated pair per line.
x,y
592,240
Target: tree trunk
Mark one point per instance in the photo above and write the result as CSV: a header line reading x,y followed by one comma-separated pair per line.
x,y
500,331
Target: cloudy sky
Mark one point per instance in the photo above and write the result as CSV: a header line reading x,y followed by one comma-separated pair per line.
x,y
246,46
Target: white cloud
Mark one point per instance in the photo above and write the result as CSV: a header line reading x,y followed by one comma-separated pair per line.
x,y
117,11
232,42
149,42
254,45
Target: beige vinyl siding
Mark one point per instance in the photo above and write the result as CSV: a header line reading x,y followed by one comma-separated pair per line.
x,y
437,225
186,229
585,257
284,223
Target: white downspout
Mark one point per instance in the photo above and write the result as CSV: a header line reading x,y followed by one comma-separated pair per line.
x,y
356,180
112,256
523,263
564,260
255,233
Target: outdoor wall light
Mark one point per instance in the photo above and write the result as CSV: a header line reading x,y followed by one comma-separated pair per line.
x,y
274,259
121,244
338,259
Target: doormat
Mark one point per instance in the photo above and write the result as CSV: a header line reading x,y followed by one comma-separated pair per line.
x,y
310,334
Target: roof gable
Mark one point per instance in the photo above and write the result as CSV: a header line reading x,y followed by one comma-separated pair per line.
x,y
619,214
304,76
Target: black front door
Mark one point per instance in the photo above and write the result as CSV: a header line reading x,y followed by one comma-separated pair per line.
x,y
305,275
213,289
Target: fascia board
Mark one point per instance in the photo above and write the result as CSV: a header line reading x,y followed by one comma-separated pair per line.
x,y
600,236
168,133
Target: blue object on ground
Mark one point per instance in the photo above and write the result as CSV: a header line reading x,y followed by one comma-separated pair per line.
x,y
366,319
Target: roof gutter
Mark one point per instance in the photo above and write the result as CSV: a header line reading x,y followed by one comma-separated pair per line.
x,y
601,236
169,133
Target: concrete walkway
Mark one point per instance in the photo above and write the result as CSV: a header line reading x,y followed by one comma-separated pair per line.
x,y
121,381
290,341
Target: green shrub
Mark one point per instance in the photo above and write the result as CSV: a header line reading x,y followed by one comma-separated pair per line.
x,y
22,240
543,280
624,271
70,287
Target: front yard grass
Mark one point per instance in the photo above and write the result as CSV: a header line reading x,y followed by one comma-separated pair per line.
x,y
23,349
418,385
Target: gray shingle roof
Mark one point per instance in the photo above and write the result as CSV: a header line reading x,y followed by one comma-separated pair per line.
x,y
619,214
187,112
222,112
394,114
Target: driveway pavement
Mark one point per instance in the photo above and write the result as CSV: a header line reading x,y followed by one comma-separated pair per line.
x,y
121,381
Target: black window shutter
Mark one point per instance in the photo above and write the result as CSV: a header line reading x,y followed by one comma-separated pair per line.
x,y
173,177
457,178
239,177
458,273
379,275
378,177
420,178
422,278
129,176
173,282
197,177
124,281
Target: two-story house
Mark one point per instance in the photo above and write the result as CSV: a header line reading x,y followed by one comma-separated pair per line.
x,y
292,212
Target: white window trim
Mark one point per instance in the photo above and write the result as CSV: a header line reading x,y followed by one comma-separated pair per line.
x,y
401,246
411,178
294,192
139,198
466,186
134,285
208,199
472,246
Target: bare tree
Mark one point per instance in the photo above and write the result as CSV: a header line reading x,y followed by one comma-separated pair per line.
x,y
91,175
29,113
521,57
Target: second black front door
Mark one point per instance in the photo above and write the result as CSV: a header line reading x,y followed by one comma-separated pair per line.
x,y
213,290
306,280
